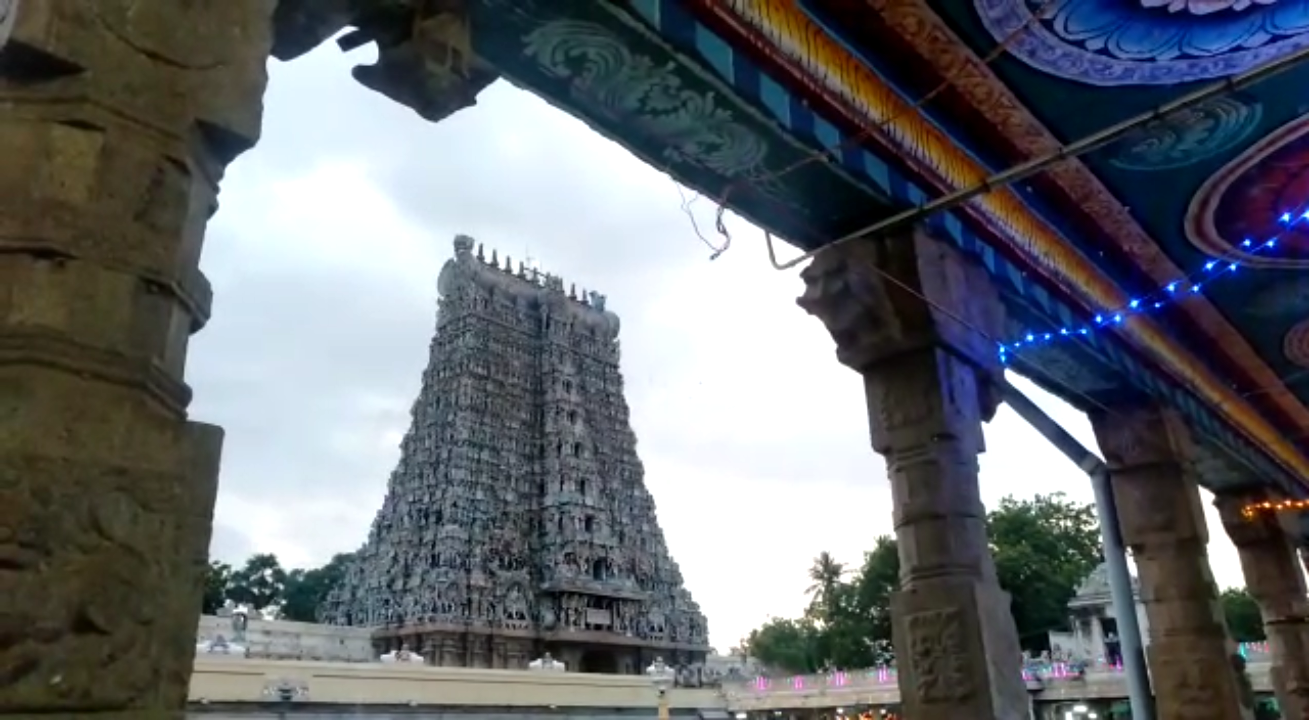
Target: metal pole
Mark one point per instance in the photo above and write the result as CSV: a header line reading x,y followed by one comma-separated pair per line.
x,y
1120,587
1115,555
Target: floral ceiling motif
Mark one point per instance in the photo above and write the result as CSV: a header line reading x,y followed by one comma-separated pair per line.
x,y
1148,42
1250,197
1203,7
1295,346
1280,300
1188,135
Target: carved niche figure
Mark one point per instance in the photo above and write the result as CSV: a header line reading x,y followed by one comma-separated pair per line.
x,y
515,613
549,616
654,622
450,653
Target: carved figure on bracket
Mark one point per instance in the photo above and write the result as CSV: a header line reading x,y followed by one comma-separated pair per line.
x,y
425,56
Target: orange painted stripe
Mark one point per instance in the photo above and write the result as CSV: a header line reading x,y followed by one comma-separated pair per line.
x,y
787,28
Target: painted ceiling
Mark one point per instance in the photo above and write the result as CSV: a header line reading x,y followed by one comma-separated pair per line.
x,y
1206,201
767,105
1217,188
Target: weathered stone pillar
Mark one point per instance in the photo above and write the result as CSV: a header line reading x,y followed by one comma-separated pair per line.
x,y
1191,658
928,369
1275,581
117,119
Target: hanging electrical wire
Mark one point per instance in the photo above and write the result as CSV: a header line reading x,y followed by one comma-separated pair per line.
x,y
820,156
1035,166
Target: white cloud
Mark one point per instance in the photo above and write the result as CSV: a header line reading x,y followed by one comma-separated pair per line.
x,y
324,258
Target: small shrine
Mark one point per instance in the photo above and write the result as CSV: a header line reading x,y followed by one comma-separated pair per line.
x,y
1094,635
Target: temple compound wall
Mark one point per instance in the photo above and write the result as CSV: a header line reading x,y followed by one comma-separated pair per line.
x,y
286,640
516,522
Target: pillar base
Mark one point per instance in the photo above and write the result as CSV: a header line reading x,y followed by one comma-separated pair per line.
x,y
1274,580
1195,679
1289,641
956,652
117,120
104,535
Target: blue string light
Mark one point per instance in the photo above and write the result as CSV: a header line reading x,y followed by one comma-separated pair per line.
x,y
1165,295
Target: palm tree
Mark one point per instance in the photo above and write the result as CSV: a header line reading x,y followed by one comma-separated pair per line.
x,y
826,574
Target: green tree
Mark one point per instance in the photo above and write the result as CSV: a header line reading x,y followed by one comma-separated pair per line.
x,y
871,604
260,583
1244,621
825,575
1043,549
849,628
785,645
306,589
218,580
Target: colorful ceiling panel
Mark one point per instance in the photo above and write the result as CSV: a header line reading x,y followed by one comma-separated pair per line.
x,y
1212,189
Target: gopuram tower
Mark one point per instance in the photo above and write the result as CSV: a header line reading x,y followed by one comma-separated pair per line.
x,y
517,522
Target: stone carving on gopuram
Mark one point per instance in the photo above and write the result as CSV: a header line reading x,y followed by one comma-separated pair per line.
x,y
516,522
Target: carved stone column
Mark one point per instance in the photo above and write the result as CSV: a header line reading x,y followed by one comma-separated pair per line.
x,y
928,368
1274,580
117,119
1192,661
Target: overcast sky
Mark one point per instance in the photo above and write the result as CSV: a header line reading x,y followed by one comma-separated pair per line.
x,y
324,259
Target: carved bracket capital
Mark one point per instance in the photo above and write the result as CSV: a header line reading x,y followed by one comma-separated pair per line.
x,y
425,58
1245,531
883,297
1145,435
302,25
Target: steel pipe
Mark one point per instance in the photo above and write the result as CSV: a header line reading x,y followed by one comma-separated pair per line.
x,y
1115,555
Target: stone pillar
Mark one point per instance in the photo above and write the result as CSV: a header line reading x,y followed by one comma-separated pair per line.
x,y
117,119
928,368
1192,661
1275,581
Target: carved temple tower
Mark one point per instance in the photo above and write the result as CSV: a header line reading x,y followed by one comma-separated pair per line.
x,y
517,522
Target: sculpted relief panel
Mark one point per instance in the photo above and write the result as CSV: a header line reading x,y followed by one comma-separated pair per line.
x,y
943,667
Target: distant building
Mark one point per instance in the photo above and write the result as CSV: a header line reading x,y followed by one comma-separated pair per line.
x,y
1094,635
517,522
732,666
